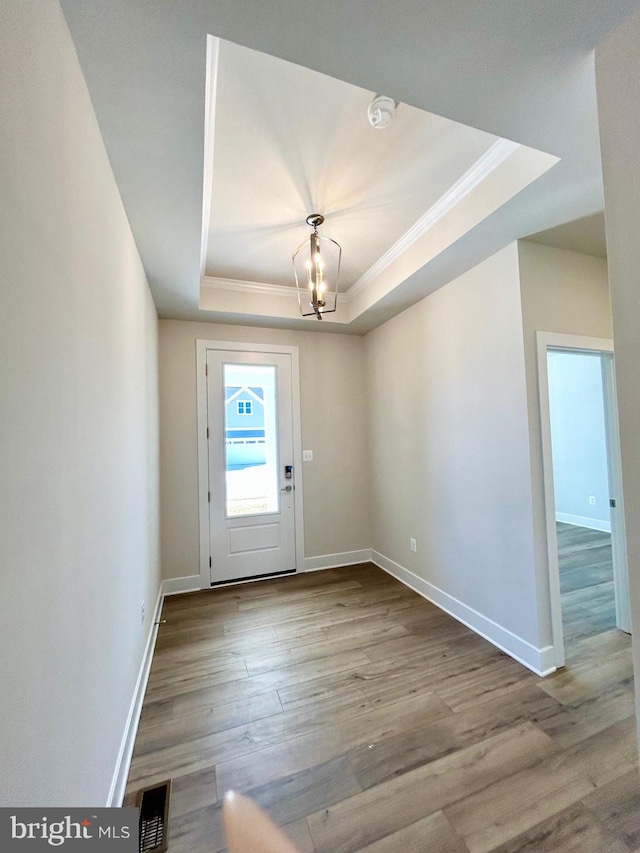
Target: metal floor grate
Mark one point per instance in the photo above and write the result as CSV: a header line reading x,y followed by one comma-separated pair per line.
x,y
154,817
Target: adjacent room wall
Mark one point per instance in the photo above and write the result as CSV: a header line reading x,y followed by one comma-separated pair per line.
x,y
618,82
563,292
334,426
449,453
580,472
78,435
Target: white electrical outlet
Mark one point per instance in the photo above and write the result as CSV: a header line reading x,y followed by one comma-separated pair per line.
x,y
307,455
592,500
413,545
142,613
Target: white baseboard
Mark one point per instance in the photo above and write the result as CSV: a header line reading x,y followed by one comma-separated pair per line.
x,y
171,586
540,661
582,521
332,561
175,586
547,661
193,583
119,781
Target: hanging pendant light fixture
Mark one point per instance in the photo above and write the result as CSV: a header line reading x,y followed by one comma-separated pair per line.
x,y
316,266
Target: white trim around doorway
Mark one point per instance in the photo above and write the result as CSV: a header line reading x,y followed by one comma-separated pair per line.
x,y
599,346
202,346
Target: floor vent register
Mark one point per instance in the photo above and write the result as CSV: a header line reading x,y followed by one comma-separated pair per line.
x,y
154,817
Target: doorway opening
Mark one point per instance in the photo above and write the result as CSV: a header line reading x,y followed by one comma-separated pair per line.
x,y
583,496
249,461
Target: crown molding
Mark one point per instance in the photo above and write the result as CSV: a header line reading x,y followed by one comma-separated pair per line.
x,y
473,177
262,288
211,282
500,151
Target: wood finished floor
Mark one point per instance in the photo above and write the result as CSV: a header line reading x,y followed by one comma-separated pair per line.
x,y
362,718
586,583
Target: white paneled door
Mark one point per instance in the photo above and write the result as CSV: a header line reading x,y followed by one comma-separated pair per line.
x,y
251,470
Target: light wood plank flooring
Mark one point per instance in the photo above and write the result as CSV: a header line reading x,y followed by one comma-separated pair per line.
x,y
362,718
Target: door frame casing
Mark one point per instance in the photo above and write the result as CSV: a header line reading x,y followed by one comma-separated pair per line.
x,y
604,347
202,347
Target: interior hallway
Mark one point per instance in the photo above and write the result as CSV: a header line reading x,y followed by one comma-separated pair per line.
x,y
361,717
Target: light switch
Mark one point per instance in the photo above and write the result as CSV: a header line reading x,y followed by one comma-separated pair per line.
x,y
307,455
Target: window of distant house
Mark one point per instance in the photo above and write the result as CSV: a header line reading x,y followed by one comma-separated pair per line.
x,y
245,407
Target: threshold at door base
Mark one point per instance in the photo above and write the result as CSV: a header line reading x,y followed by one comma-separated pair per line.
x,y
254,578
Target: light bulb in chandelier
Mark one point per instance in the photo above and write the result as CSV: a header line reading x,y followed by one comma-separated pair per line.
x,y
316,267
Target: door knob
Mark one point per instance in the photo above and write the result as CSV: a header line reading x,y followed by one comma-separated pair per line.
x,y
287,489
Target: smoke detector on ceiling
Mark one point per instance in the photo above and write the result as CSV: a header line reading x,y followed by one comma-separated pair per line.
x,y
381,111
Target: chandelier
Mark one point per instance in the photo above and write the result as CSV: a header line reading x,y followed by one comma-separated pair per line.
x,y
316,266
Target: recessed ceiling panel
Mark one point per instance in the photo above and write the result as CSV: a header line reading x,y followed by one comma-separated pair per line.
x,y
289,141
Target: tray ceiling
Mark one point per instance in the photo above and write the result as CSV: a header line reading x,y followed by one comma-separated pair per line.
x,y
288,141
523,77
283,141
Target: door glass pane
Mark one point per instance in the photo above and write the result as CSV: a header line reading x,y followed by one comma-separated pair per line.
x,y
251,445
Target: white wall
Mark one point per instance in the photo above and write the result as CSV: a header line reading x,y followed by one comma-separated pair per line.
x,y
78,432
334,426
618,82
578,439
563,292
449,450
